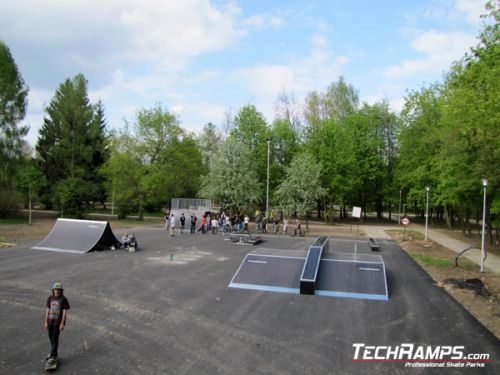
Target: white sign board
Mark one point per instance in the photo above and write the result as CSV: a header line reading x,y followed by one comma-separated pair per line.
x,y
356,212
405,221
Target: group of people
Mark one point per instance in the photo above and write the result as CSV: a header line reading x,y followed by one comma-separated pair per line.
x,y
225,223
267,223
128,240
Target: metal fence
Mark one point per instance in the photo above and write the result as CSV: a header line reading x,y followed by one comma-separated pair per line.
x,y
191,204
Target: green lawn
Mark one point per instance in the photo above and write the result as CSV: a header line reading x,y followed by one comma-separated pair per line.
x,y
14,220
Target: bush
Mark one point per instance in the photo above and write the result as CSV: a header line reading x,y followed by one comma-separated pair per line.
x,y
9,202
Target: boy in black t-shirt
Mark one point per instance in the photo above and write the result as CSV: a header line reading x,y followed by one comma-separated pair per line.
x,y
183,223
55,318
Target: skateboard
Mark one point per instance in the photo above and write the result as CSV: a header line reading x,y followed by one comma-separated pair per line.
x,y
51,366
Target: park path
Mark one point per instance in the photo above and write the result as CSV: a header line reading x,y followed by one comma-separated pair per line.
x,y
492,262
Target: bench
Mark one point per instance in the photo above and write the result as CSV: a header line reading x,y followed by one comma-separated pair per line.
x,y
374,246
311,265
241,239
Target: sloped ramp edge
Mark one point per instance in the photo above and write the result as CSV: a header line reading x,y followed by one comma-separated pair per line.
x,y
78,236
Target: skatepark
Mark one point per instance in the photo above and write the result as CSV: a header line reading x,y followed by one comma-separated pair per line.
x,y
177,306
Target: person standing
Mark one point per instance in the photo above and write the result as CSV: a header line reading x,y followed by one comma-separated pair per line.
x,y
214,225
55,318
167,220
257,220
297,229
193,223
246,221
183,222
172,224
203,225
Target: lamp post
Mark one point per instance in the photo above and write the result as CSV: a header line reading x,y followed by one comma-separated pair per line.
x,y
427,189
267,181
483,250
399,217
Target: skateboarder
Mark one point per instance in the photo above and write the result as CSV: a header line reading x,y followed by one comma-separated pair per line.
x,y
55,319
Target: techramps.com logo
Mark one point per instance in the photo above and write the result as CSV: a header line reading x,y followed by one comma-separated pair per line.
x,y
412,355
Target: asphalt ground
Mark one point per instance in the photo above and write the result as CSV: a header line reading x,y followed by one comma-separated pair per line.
x,y
167,309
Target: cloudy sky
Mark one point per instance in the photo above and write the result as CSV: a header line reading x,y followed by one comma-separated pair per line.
x,y
203,58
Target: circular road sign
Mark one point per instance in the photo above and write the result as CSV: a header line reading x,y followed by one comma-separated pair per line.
x,y
405,221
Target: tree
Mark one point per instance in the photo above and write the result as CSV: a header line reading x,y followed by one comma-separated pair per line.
x,y
152,161
30,180
72,143
13,102
471,103
420,144
340,100
285,144
231,179
251,129
124,173
209,141
100,141
301,188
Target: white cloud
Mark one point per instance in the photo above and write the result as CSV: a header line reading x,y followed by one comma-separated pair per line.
x,y
260,21
95,32
314,72
438,51
472,9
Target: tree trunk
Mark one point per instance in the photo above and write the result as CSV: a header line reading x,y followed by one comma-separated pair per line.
x,y
467,221
29,204
141,209
447,217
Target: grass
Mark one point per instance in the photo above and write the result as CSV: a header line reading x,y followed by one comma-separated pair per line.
x,y
108,212
427,260
14,220
410,234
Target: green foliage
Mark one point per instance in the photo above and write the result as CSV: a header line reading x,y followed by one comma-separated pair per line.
x,y
124,172
72,194
284,145
30,180
232,179
9,201
152,162
209,142
301,188
13,102
72,144
451,138
251,129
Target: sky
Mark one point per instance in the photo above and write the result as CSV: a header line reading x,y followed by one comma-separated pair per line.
x,y
204,59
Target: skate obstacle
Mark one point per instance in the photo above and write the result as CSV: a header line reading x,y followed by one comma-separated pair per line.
x,y
78,237
319,271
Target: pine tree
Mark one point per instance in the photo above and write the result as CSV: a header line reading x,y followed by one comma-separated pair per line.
x,y
72,146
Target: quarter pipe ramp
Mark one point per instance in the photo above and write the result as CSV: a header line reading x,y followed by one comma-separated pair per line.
x,y
78,236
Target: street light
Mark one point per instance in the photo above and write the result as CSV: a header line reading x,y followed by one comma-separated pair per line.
x,y
267,182
399,217
483,251
427,211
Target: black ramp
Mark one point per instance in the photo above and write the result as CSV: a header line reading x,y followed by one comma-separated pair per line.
x,y
351,276
78,236
269,273
310,271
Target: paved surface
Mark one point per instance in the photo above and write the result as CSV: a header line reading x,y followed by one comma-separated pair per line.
x,y
143,313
